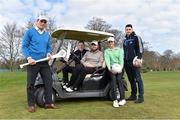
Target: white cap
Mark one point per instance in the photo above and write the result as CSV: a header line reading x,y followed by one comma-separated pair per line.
x,y
111,39
94,42
42,17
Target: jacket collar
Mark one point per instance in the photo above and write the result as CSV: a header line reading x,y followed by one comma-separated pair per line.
x,y
131,35
39,31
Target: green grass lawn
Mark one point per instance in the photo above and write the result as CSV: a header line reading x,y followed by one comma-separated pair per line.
x,y
162,100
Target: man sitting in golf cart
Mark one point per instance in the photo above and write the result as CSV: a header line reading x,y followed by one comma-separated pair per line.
x,y
76,57
92,59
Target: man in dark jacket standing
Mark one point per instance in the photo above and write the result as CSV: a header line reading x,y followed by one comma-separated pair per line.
x,y
133,47
76,57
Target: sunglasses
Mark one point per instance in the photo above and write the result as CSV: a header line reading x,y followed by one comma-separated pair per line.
x,y
43,21
110,41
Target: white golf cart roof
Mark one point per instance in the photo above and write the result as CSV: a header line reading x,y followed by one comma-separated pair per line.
x,y
80,34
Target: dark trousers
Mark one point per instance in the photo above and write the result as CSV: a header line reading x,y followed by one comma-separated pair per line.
x,y
74,75
134,77
122,74
66,70
32,72
117,83
80,73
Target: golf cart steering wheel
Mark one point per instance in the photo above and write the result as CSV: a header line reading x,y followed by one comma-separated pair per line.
x,y
75,57
68,62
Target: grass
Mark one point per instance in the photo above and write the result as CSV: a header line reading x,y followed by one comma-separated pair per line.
x,y
162,100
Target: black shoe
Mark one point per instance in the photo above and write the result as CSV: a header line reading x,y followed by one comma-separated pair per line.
x,y
139,100
131,98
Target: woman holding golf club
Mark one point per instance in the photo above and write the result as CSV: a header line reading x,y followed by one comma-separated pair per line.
x,y
35,46
114,61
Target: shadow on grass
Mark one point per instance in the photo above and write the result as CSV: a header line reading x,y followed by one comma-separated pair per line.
x,y
72,100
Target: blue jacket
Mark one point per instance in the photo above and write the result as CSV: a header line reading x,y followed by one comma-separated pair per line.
x,y
133,46
36,45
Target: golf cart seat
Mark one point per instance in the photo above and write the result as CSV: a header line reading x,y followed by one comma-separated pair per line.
x,y
98,73
97,79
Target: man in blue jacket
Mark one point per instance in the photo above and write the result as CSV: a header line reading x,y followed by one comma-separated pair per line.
x,y
36,45
133,47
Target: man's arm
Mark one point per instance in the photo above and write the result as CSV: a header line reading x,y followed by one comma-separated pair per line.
x,y
139,47
101,60
25,49
49,49
25,44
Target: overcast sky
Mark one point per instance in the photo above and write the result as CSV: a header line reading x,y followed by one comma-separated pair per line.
x,y
156,21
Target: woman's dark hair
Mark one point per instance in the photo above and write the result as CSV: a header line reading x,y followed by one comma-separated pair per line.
x,y
81,42
129,25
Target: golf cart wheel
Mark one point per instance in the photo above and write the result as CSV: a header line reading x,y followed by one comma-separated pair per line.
x,y
37,91
40,96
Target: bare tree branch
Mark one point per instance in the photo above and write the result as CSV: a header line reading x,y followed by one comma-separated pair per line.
x,y
10,45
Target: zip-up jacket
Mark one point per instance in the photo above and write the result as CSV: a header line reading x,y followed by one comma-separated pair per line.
x,y
79,55
113,56
133,46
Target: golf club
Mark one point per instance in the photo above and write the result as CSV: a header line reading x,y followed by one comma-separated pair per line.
x,y
61,53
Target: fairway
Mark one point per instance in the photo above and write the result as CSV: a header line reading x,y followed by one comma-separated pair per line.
x,y
162,100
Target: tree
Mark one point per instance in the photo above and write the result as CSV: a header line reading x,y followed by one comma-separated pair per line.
x,y
51,26
30,23
101,25
98,24
167,59
118,36
10,38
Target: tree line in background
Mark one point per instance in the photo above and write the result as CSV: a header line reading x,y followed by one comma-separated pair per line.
x,y
11,37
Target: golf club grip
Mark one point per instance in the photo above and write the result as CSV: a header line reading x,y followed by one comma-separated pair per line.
x,y
41,60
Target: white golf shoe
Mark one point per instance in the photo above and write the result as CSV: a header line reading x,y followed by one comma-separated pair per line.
x,y
115,103
69,89
122,102
64,86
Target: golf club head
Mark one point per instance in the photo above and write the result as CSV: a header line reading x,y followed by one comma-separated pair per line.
x,y
21,66
61,53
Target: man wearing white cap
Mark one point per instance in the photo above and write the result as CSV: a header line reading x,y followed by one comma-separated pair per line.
x,y
36,45
90,61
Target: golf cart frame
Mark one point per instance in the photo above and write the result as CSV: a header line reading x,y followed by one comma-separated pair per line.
x,y
94,85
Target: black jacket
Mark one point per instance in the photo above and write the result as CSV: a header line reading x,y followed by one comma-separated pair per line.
x,y
133,46
78,56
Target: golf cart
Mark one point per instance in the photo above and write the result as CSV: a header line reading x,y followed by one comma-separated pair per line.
x,y
94,85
